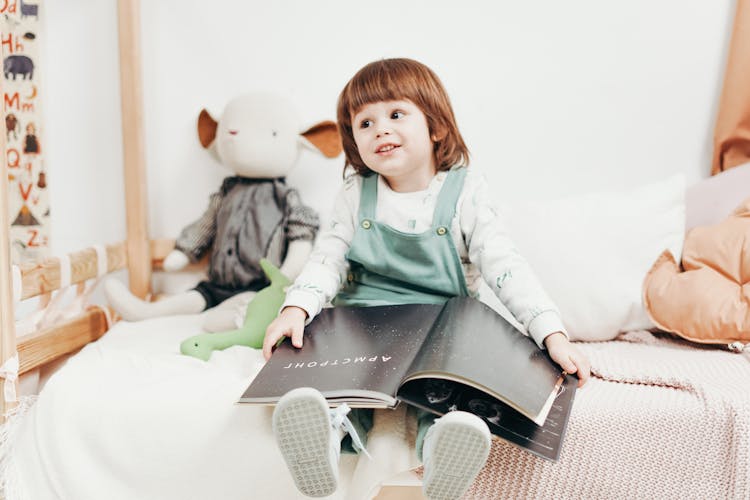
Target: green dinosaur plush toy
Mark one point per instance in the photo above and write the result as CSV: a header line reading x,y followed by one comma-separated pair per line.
x,y
261,310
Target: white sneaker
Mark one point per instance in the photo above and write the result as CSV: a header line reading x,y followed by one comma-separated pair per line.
x,y
456,448
309,434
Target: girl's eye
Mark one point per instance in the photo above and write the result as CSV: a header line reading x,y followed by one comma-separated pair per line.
x,y
396,115
365,123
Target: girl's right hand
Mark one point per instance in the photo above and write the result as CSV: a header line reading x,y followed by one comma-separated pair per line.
x,y
289,323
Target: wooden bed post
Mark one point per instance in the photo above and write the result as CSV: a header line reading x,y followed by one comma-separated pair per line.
x,y
134,164
7,313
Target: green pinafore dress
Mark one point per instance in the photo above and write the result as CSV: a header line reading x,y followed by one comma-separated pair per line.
x,y
388,266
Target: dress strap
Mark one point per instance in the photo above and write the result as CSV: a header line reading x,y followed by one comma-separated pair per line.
x,y
368,197
445,208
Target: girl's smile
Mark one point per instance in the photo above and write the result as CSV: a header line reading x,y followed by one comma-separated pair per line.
x,y
387,149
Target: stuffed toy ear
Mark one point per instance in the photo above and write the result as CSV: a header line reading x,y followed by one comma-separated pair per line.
x,y
325,137
206,128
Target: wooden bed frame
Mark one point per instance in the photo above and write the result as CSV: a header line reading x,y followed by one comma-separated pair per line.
x,y
43,278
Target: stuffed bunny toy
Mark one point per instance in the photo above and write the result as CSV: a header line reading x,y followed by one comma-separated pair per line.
x,y
253,215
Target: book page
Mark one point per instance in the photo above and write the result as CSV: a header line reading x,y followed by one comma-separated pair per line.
x,y
356,355
472,344
545,440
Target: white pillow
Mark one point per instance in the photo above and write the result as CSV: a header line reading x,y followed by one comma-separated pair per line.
x,y
592,252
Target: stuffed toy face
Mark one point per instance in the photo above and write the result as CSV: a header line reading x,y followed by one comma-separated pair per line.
x,y
258,136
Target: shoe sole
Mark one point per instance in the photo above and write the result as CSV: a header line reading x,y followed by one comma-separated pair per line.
x,y
458,456
302,427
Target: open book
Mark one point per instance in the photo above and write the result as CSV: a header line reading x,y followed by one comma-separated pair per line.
x,y
459,356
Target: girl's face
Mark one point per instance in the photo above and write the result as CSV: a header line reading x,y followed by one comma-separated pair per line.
x,y
393,139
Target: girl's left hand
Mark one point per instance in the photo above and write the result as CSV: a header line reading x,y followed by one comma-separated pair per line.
x,y
568,356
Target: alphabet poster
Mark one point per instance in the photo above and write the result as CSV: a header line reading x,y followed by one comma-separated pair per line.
x,y
29,202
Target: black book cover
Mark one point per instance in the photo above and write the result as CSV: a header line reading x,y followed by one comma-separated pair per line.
x,y
460,356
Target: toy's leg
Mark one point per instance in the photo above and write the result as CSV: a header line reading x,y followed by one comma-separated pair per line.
x,y
132,308
228,315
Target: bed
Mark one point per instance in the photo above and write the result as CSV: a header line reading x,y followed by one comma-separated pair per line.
x,y
128,417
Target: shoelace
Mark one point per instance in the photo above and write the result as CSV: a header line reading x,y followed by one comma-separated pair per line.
x,y
339,420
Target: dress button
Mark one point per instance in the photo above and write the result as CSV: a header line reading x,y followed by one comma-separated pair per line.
x,y
366,224
229,251
441,230
350,277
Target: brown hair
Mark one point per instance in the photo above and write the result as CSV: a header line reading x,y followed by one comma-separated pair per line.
x,y
397,79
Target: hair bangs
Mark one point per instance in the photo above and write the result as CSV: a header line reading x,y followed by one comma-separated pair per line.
x,y
380,82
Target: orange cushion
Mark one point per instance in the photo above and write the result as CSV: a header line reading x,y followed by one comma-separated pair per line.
x,y
709,300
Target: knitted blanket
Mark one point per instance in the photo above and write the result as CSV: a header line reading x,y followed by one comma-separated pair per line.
x,y
661,418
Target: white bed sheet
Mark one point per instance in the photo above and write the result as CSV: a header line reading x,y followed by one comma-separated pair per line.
x,y
130,418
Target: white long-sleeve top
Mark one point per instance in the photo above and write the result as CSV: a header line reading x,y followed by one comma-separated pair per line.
x,y
483,245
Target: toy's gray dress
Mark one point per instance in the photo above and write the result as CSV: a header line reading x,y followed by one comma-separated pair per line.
x,y
246,220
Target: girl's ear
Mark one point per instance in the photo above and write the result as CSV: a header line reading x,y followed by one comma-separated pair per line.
x,y
439,133
324,137
206,128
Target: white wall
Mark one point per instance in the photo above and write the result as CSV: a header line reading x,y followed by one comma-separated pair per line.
x,y
552,97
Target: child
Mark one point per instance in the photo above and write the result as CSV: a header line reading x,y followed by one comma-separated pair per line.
x,y
414,225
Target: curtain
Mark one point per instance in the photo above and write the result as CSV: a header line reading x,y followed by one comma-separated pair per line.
x,y
732,133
